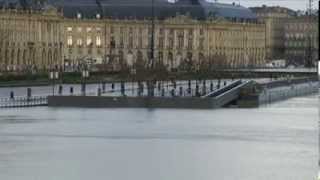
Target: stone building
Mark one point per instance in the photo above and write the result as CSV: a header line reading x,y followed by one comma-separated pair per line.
x,y
30,39
118,34
302,40
274,18
186,32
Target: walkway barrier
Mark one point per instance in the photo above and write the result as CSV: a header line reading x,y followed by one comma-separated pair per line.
x,y
223,90
18,102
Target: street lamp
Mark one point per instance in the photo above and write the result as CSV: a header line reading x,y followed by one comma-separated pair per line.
x,y
53,75
85,75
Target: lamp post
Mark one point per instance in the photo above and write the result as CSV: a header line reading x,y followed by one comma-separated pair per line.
x,y
85,75
53,75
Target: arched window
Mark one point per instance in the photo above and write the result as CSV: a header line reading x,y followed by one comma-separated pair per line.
x,y
69,41
89,41
98,41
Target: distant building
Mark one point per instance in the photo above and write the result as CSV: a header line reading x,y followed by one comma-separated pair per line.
x,y
118,33
274,18
302,40
30,39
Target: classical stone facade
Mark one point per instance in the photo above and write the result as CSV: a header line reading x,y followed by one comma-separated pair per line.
x,y
178,40
29,39
274,18
302,40
48,38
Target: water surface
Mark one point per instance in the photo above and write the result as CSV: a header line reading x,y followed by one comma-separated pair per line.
x,y
277,141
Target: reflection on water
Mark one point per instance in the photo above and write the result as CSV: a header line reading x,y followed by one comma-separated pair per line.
x,y
278,142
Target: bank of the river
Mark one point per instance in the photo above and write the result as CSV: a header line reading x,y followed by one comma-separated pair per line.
x,y
42,79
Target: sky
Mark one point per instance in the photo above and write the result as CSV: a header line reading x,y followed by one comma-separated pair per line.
x,y
292,4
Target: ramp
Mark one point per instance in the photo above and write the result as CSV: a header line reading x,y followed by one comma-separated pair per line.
x,y
224,96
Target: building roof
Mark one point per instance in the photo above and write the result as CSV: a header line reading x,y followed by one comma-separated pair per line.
x,y
142,9
273,9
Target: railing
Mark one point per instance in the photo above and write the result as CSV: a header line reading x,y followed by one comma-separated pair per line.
x,y
23,102
218,92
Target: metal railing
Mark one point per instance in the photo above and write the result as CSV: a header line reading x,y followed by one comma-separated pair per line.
x,y
23,102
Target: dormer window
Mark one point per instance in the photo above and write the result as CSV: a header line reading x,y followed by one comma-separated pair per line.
x,y
79,15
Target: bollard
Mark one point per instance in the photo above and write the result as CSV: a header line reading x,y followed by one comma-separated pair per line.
x,y
112,87
29,93
173,93
189,84
99,91
11,95
159,86
60,90
148,88
140,88
83,89
162,92
122,88
218,86
71,90
174,84
224,83
197,90
181,91
104,87
204,89
211,86
152,89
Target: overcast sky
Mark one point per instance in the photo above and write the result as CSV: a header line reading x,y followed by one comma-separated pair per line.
x,y
293,4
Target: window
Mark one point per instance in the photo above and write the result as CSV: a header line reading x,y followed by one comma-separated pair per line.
x,y
79,29
171,42
111,30
201,32
190,43
69,41
190,33
89,41
112,42
161,42
140,42
171,32
89,29
79,15
69,29
130,31
130,42
79,42
121,44
180,40
149,32
140,31
122,31
201,44
161,31
98,41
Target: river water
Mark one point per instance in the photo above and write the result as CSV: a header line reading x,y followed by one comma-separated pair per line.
x,y
274,142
